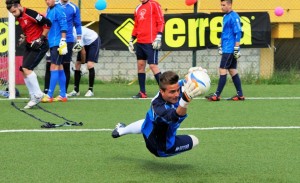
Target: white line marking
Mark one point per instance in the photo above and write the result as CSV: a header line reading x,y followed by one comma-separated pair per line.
x,y
182,129
95,98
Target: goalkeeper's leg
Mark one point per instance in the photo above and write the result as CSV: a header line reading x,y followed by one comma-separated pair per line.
x,y
132,128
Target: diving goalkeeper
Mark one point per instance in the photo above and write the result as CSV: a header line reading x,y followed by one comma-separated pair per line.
x,y
167,111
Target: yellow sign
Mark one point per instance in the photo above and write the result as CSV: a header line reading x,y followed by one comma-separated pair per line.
x,y
123,32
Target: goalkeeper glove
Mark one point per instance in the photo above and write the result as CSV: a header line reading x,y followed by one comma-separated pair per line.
x,y
130,46
190,90
236,52
157,42
36,44
220,49
78,46
62,49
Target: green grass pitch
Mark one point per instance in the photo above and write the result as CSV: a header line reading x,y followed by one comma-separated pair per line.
x,y
257,140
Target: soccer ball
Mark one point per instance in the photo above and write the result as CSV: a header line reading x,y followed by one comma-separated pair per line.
x,y
201,79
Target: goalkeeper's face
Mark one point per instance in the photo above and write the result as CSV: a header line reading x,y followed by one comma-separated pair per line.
x,y
171,93
15,10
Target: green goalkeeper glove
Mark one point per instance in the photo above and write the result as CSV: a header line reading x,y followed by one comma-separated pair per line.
x,y
62,49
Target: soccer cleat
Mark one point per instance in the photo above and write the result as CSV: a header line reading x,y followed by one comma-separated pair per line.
x,y
73,94
115,133
47,99
33,101
236,98
89,93
140,95
60,99
213,97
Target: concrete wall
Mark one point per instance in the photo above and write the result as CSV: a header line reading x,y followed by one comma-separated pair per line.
x,y
122,64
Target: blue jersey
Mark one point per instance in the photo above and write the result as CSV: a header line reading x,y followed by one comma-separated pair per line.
x,y
73,19
57,16
231,32
161,123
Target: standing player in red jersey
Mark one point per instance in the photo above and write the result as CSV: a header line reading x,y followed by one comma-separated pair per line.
x,y
35,28
148,29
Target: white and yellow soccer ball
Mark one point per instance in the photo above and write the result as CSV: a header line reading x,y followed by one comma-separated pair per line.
x,y
200,78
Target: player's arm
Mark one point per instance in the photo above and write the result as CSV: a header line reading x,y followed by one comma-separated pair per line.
x,y
169,114
83,55
77,23
39,19
160,21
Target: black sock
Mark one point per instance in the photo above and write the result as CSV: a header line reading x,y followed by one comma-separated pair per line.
x,y
221,84
47,77
77,77
67,73
157,77
142,81
91,78
238,84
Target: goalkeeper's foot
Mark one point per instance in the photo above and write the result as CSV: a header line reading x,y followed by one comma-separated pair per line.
x,y
115,132
213,97
60,99
73,94
236,98
34,101
47,99
140,95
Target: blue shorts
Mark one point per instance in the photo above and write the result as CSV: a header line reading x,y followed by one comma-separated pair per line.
x,y
146,52
92,51
55,57
228,61
182,143
67,58
33,57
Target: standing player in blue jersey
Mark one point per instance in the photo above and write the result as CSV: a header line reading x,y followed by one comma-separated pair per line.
x,y
35,29
229,48
58,48
87,54
73,20
167,111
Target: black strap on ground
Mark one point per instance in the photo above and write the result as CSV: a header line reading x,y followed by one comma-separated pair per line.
x,y
48,124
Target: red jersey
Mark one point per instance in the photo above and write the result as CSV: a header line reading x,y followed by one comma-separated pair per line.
x,y
148,22
32,24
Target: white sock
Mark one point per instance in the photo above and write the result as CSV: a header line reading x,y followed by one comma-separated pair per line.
x,y
32,78
29,87
132,128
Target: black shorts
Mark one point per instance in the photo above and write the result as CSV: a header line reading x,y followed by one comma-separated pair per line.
x,y
32,57
67,58
228,61
92,51
55,57
182,143
146,52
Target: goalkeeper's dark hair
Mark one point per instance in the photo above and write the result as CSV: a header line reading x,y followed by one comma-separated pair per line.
x,y
167,78
229,1
11,3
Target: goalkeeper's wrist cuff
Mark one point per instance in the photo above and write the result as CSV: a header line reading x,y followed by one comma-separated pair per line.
x,y
183,103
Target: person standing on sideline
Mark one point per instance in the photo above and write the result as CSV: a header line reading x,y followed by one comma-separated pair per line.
x,y
73,20
58,48
148,30
229,48
87,53
167,111
35,29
